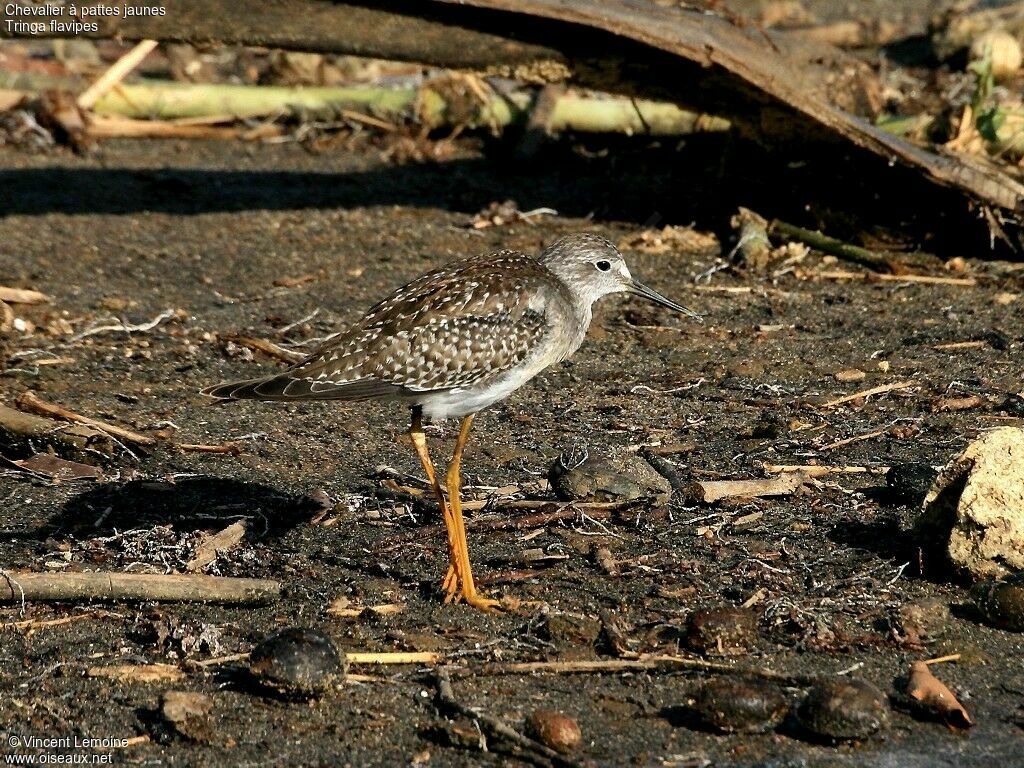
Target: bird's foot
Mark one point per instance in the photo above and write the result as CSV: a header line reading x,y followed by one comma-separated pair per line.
x,y
455,592
481,603
450,585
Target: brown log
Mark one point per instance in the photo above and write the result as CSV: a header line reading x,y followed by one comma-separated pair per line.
x,y
16,586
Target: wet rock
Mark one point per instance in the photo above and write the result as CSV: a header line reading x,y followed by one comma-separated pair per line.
x,y
740,705
187,714
976,506
555,730
297,661
923,620
1002,602
843,709
909,483
577,476
721,631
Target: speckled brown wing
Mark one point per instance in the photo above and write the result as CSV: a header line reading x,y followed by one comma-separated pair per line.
x,y
456,327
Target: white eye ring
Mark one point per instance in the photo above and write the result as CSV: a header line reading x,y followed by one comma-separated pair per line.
x,y
603,265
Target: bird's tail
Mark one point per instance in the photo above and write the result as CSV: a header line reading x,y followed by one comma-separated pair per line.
x,y
249,389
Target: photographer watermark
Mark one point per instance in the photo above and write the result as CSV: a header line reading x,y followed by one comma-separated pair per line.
x,y
58,18
73,749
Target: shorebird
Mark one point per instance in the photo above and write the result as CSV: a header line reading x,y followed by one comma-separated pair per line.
x,y
455,341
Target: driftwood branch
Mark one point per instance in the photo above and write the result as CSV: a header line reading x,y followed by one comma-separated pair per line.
x,y
22,433
25,586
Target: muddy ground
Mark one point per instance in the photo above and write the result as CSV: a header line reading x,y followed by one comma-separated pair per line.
x,y
207,228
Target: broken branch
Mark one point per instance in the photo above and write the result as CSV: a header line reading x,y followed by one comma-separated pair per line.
x,y
16,586
710,491
29,401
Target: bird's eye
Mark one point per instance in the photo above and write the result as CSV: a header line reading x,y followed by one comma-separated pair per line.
x,y
604,266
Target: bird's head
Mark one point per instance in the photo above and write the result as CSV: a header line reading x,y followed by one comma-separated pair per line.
x,y
592,267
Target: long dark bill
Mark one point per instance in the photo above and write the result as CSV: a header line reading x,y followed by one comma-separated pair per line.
x,y
652,295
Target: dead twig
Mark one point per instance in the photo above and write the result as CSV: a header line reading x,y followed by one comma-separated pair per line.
x,y
18,586
854,439
29,401
847,251
210,549
821,470
232,449
656,663
115,74
33,624
884,278
394,657
866,393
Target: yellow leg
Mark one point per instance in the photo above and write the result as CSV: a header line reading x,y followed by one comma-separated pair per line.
x,y
419,442
458,537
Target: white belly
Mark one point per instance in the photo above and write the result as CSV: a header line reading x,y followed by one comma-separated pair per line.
x,y
456,403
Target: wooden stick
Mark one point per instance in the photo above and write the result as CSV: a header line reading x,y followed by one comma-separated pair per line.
x,y
16,586
353,657
230,448
41,623
854,439
821,470
865,393
397,657
943,659
961,345
223,660
710,491
879,276
115,74
663,663
29,401
23,296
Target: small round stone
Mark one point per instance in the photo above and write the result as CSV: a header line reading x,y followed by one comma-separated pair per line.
x,y
555,730
721,631
843,710
740,705
1002,602
297,660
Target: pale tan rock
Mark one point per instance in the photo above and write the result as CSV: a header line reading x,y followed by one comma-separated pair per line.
x,y
979,500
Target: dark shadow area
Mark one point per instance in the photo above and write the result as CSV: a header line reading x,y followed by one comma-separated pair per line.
x,y
186,505
698,179
883,538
